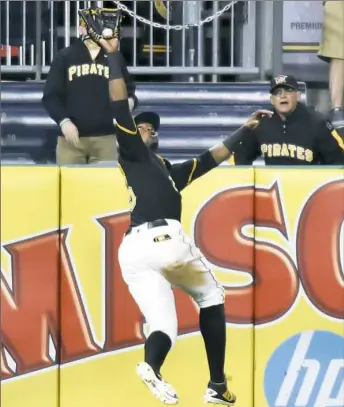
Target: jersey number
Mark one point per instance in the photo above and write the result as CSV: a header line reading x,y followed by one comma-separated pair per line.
x,y
132,198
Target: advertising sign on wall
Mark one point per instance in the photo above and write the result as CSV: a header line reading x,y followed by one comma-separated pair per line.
x,y
72,335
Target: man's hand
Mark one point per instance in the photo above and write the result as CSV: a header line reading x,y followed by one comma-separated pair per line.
x,y
256,117
110,45
70,132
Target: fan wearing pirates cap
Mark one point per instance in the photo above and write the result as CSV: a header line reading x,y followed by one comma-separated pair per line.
x,y
155,253
76,97
292,134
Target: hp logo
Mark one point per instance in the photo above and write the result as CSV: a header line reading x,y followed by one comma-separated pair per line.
x,y
307,370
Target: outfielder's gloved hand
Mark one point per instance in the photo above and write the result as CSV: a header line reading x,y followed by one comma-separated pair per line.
x,y
102,23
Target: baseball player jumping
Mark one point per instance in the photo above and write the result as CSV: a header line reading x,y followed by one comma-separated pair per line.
x,y
156,254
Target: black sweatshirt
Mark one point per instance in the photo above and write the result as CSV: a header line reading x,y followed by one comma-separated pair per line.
x,y
303,138
77,88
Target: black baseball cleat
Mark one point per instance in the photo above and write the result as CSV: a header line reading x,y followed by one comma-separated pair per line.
x,y
219,394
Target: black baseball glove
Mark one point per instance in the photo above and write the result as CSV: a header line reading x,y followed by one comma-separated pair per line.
x,y
101,23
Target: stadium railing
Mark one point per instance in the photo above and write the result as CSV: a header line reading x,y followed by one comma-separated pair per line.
x,y
236,42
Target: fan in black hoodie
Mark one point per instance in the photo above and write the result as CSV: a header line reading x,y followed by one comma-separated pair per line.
x,y
293,135
76,97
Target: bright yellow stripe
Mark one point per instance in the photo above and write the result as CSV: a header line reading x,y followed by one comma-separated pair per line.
x,y
154,46
338,139
194,166
161,159
301,47
156,51
231,160
134,133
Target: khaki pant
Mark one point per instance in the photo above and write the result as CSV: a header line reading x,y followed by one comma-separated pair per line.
x,y
332,44
90,150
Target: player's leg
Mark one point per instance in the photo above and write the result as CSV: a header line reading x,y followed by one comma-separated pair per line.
x,y
154,296
210,298
156,302
198,280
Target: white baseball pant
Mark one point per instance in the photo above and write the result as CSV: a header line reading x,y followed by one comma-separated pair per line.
x,y
155,260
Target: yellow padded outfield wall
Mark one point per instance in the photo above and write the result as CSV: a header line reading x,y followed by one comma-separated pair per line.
x,y
71,334
29,286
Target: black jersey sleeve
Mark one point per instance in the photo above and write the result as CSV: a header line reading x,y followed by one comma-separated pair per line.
x,y
184,173
131,145
130,83
329,144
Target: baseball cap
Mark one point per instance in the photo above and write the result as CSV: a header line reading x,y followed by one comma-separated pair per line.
x,y
150,118
287,81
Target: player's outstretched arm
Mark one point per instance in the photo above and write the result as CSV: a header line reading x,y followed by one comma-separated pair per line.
x,y
242,139
129,140
329,146
221,152
117,87
107,36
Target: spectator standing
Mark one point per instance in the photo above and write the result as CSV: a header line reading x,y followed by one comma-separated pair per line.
x,y
332,51
76,97
293,135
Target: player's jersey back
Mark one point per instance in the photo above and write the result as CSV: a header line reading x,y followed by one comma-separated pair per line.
x,y
154,184
153,194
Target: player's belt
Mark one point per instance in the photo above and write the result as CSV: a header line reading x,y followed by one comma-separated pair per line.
x,y
149,225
